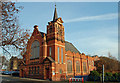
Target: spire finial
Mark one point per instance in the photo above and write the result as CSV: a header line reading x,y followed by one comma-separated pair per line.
x,y
55,13
55,4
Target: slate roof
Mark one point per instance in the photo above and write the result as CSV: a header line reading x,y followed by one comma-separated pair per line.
x,y
42,33
49,58
70,47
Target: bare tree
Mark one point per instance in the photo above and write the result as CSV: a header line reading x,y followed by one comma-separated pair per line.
x,y
11,35
110,65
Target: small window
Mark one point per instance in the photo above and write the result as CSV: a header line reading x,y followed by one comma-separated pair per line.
x,y
93,63
62,54
60,71
29,70
24,59
50,26
58,55
50,29
38,70
50,51
56,25
32,70
35,71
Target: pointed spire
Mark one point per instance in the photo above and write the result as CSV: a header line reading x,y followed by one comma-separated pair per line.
x,y
55,14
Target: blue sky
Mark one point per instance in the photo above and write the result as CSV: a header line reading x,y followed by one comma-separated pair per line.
x,y
91,26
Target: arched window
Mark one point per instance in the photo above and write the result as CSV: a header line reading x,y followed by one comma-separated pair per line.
x,y
50,51
58,55
84,67
32,70
35,50
35,71
29,69
38,70
69,66
60,71
62,54
77,66
93,63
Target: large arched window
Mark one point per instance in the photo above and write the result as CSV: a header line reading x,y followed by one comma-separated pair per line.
x,y
35,50
77,66
69,66
84,67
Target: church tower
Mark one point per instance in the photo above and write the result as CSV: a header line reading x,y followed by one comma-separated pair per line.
x,y
56,43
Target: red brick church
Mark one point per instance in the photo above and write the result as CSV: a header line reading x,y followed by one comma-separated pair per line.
x,y
49,56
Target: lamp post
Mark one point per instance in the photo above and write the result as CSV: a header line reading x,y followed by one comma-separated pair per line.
x,y
103,74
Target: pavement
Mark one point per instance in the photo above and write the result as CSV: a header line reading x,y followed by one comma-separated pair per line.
x,y
12,79
30,79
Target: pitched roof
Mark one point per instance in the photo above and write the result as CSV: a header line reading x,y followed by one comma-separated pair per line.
x,y
49,58
42,33
70,47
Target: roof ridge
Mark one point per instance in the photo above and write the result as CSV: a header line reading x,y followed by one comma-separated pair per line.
x,y
67,42
42,32
75,48
69,46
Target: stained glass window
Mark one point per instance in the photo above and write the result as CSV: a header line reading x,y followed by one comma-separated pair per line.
x,y
35,50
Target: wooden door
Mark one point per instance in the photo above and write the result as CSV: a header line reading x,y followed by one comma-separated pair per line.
x,y
47,73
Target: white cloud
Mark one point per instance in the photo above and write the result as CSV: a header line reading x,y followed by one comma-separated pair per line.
x,y
101,42
93,45
110,16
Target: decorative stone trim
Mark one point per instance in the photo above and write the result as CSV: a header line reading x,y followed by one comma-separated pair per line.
x,y
56,72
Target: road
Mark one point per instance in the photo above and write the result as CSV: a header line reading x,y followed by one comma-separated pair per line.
x,y
10,79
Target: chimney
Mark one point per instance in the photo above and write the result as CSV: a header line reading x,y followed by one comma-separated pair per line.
x,y
36,27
